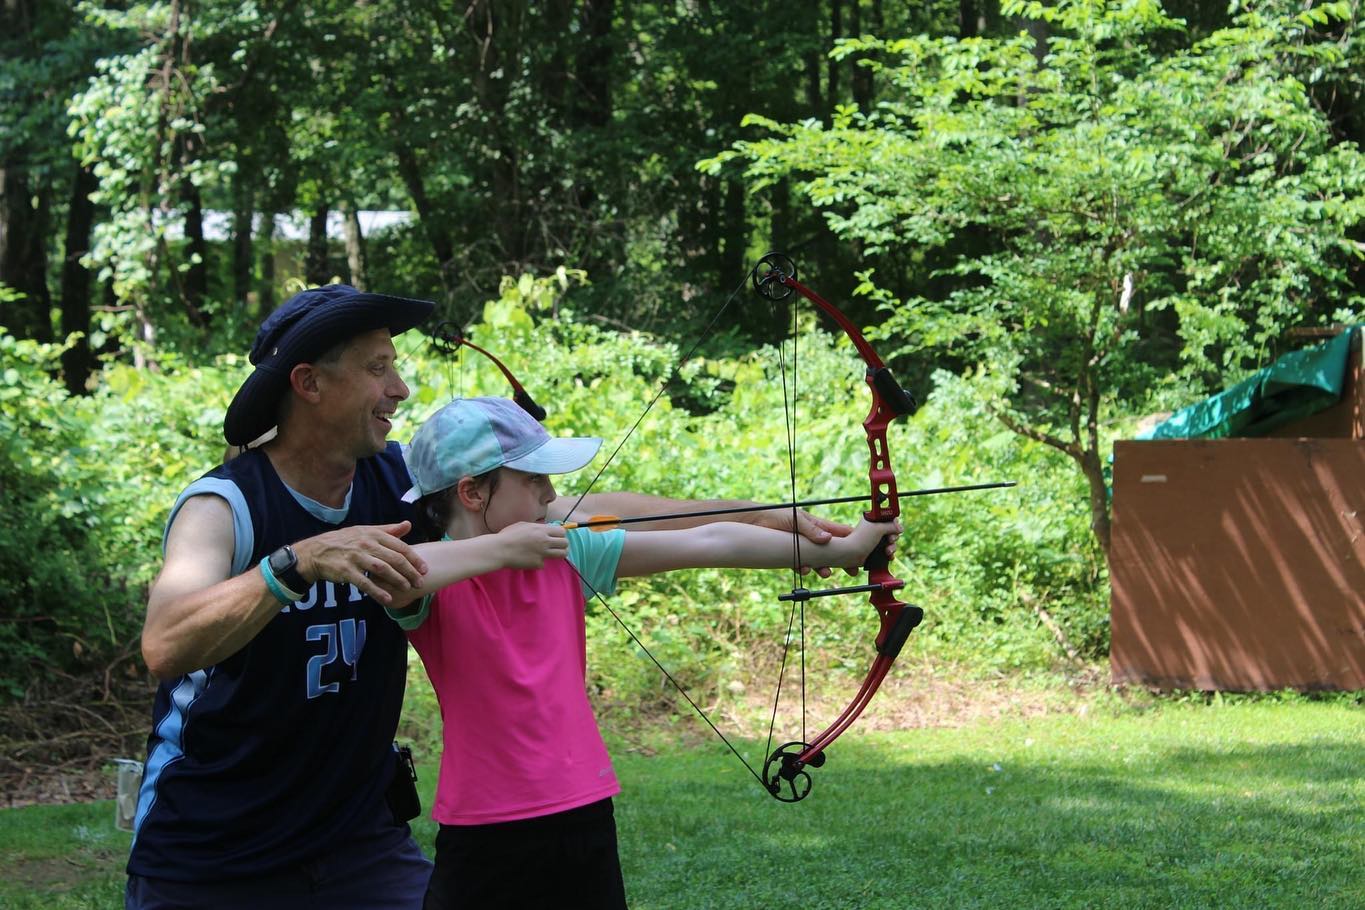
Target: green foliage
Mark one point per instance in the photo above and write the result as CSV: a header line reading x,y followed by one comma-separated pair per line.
x,y
138,123
1095,225
93,478
85,484
988,561
46,581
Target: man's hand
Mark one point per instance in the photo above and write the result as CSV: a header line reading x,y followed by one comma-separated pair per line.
x,y
374,558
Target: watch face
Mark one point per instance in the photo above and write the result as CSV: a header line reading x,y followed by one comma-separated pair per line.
x,y
282,560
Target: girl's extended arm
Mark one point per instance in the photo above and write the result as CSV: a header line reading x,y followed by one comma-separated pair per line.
x,y
524,545
732,545
639,505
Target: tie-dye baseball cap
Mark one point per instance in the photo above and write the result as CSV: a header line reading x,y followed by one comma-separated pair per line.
x,y
471,436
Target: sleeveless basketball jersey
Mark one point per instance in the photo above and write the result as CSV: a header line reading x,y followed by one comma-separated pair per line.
x,y
270,757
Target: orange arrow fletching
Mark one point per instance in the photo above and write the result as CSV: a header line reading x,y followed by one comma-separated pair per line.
x,y
596,523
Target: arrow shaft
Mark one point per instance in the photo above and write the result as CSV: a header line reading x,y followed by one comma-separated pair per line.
x,y
768,507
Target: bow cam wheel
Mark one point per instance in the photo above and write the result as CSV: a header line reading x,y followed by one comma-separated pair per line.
x,y
769,274
447,337
785,776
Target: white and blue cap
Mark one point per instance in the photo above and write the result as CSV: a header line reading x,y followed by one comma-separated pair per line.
x,y
472,436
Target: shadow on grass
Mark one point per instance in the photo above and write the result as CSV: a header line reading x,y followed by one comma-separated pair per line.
x,y
1248,826
976,818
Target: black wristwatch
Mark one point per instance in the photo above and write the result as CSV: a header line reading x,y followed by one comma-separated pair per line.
x,y
284,565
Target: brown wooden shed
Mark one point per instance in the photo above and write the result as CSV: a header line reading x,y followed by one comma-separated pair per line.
x,y
1239,564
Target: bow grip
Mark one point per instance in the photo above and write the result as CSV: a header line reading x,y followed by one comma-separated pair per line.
x,y
528,404
877,560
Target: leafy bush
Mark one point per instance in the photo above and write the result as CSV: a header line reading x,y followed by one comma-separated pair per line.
x,y
85,485
87,482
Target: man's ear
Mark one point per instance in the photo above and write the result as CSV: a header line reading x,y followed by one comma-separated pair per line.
x,y
303,381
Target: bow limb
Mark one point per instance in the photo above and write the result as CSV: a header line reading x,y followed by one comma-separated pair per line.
x,y
449,337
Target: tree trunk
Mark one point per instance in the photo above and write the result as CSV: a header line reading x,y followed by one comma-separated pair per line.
x,y
197,275
410,171
242,253
316,270
355,246
780,218
836,31
553,81
494,27
265,247
814,98
968,19
1100,520
1041,35
861,78
78,361
23,254
594,99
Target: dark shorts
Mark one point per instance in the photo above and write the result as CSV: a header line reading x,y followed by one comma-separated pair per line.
x,y
386,870
565,860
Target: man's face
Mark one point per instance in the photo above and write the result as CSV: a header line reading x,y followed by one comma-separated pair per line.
x,y
360,392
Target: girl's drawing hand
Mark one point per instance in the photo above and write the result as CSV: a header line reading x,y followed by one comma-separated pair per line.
x,y
527,544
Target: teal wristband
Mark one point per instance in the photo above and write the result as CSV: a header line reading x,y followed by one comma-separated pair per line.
x,y
282,594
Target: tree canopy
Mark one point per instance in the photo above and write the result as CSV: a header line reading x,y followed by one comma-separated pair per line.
x,y
1056,217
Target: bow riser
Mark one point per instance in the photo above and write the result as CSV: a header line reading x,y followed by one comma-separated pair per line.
x,y
785,770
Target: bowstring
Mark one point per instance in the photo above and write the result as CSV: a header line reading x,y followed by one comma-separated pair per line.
x,y
597,595
663,387
790,416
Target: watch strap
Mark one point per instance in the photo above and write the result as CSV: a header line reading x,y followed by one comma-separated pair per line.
x,y
272,583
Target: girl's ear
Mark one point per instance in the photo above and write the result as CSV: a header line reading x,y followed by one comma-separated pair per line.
x,y
473,494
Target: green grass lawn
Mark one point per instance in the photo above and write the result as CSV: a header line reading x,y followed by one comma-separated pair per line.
x,y
1252,804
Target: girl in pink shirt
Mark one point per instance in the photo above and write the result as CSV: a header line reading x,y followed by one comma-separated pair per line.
x,y
524,793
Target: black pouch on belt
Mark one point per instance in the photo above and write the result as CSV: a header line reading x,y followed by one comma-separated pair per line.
x,y
402,793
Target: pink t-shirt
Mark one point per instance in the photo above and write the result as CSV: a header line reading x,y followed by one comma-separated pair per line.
x,y
506,654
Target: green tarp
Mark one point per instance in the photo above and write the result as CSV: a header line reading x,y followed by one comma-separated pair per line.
x,y
1296,385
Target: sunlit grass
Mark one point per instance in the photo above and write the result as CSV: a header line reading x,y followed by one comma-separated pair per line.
x,y
1252,804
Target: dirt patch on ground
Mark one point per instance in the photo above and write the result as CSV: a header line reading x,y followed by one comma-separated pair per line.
x,y
916,696
931,695
58,742
56,875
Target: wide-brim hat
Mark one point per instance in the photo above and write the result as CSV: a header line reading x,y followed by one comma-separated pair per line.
x,y
304,327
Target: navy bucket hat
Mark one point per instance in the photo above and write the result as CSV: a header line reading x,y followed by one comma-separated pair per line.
x,y
304,327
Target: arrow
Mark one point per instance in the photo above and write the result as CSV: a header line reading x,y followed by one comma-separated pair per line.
x,y
603,522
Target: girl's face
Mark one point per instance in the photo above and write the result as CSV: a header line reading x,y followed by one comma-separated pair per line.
x,y
519,497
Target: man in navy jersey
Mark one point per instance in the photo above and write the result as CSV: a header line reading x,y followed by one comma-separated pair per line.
x,y
271,752
271,749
